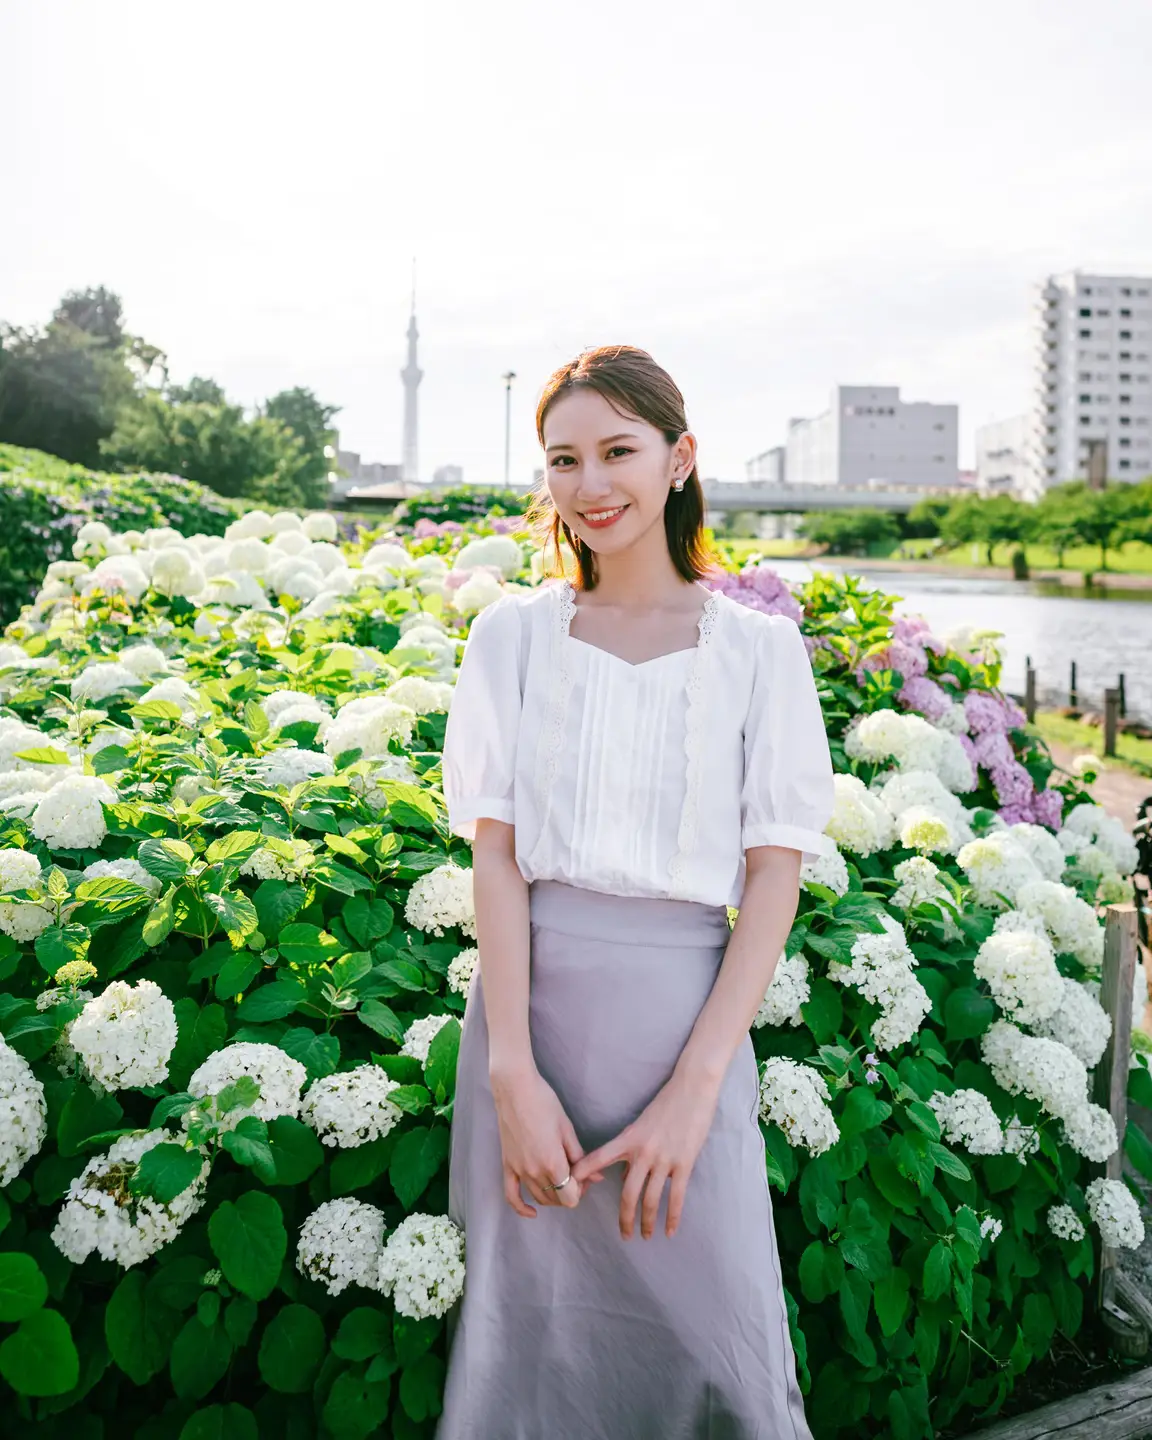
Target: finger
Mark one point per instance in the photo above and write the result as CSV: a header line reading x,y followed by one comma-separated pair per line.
x,y
537,1191
653,1192
676,1203
607,1154
630,1196
513,1196
573,1150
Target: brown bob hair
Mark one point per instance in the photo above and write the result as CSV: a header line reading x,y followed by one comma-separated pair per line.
x,y
635,386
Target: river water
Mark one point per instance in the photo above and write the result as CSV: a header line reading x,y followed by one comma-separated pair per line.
x,y
1106,636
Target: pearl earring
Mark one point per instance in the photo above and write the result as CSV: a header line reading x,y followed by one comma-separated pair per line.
x,y
678,483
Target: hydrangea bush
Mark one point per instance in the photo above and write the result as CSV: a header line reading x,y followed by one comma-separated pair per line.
x,y
236,940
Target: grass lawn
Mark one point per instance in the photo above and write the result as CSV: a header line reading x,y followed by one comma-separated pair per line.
x,y
1132,558
1131,753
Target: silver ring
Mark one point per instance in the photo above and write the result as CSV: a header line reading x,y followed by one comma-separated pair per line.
x,y
561,1184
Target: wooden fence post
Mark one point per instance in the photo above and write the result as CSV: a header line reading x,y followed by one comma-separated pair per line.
x,y
1110,1090
1030,691
1111,707
1072,688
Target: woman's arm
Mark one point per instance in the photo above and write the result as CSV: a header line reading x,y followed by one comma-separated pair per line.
x,y
502,937
767,909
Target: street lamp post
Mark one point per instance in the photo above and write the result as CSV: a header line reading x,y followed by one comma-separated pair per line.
x,y
508,378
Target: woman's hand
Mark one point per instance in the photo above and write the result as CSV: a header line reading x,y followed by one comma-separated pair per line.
x,y
537,1140
662,1143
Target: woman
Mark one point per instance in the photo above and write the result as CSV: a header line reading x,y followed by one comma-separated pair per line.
x,y
629,754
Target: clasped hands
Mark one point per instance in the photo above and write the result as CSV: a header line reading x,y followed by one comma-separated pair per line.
x,y
659,1146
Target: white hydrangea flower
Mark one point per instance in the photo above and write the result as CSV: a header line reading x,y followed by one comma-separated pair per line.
x,y
996,866
99,680
480,590
1044,1070
860,821
125,869
320,525
23,921
1041,847
290,765
1071,922
1081,1023
900,790
368,724
1090,1131
416,693
175,690
991,1226
920,883
304,712
828,870
913,743
27,786
461,971
279,1076
795,1098
922,828
143,660
441,898
341,1243
1106,832
19,870
351,1107
1116,1214
420,1034
500,550
101,1212
175,572
1020,969
387,555
251,556
787,991
126,1035
23,1113
968,1119
270,863
109,735
92,535
15,737
1065,1224
255,522
71,815
422,1266
278,701
881,970
121,575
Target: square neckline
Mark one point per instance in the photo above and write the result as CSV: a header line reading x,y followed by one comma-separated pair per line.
x,y
709,605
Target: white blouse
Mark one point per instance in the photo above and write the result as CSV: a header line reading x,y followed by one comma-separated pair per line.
x,y
647,779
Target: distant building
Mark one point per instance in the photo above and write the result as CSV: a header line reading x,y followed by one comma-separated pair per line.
x,y
448,476
869,436
1093,378
1002,457
770,468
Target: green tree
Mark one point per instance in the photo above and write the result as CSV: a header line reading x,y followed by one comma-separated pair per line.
x,y
198,391
97,312
214,444
923,520
311,422
992,521
851,531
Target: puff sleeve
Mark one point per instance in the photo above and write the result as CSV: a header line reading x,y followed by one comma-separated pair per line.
x,y
788,793
479,756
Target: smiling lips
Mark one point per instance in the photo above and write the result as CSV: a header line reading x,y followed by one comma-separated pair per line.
x,y
598,519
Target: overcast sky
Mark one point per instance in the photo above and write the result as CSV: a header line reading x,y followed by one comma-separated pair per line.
x,y
771,198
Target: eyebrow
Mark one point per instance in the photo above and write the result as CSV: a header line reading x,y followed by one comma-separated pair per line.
x,y
562,445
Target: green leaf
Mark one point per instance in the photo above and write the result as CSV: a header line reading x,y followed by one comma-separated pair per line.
x,y
410,1098
271,1001
890,1298
255,720
276,903
221,1422
45,755
84,1114
22,1286
296,1152
1138,1148
968,1013
350,968
402,973
308,945
159,920
239,1319
363,1333
368,920
440,1067
139,1327
200,1357
200,1032
863,1110
247,1143
240,845
291,1350
60,944
155,710
40,1357
421,1387
381,1018
109,895
937,1271
352,1170
924,1118
237,973
249,1240
235,912
243,1091
319,1054
416,1159
110,759
949,1161
166,1171
355,1407
168,859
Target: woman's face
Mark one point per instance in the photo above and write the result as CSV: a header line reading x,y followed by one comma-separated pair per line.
x,y
598,462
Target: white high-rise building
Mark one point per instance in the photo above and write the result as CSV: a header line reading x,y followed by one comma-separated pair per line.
x,y
1002,457
1093,378
869,436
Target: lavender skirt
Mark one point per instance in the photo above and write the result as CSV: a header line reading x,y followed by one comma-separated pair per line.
x,y
565,1330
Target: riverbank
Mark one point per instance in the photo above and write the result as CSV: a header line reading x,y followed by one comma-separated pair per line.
x,y
1070,579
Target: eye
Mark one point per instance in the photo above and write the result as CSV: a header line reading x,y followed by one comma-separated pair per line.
x,y
625,449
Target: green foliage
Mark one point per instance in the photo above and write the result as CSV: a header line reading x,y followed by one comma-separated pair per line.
x,y
467,504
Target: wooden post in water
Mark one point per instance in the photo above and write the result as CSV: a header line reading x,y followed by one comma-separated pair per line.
x,y
1029,690
1072,687
1110,1079
1111,706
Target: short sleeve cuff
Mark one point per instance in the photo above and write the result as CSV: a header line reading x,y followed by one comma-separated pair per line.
x,y
465,813
812,843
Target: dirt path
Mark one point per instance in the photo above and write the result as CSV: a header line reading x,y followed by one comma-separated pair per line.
x,y
1117,789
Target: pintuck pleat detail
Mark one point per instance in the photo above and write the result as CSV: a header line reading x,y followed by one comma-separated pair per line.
x,y
693,746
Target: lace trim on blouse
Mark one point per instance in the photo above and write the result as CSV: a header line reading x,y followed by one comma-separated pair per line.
x,y
552,738
693,745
